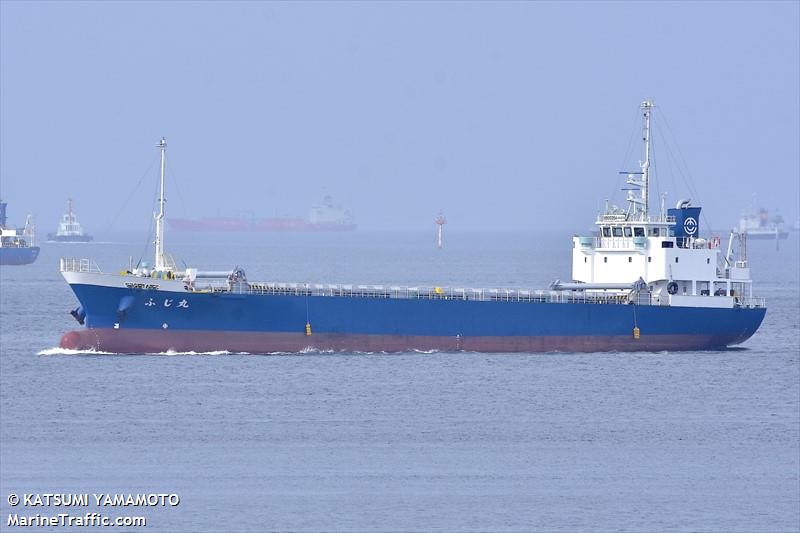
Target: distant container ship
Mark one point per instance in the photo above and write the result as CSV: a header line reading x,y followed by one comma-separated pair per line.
x,y
323,217
17,246
69,229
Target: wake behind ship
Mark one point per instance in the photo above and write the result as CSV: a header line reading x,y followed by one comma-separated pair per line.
x,y
646,282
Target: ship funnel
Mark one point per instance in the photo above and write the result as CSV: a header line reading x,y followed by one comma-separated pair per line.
x,y
687,221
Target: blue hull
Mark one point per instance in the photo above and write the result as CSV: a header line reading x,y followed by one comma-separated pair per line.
x,y
18,256
121,319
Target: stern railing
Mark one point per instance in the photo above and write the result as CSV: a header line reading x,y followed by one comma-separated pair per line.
x,y
756,302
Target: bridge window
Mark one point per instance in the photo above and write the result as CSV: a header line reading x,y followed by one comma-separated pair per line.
x,y
638,232
617,232
606,231
667,244
628,232
654,232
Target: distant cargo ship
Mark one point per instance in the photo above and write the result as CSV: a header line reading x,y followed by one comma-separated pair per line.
x,y
17,246
323,217
648,282
757,224
69,229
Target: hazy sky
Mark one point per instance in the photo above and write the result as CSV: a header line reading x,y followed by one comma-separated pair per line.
x,y
502,114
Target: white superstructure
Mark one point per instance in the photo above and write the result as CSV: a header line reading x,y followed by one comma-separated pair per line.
x,y
328,213
757,223
69,229
665,251
19,238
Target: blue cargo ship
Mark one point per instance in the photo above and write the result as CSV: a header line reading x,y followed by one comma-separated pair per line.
x,y
17,247
644,283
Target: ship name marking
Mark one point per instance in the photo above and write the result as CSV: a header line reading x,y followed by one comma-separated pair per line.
x,y
145,286
168,303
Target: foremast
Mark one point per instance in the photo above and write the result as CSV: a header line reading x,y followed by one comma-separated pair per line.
x,y
161,260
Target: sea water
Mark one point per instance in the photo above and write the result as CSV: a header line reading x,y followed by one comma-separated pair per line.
x,y
695,441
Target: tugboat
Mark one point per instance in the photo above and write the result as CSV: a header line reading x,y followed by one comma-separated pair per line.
x,y
647,282
69,230
17,246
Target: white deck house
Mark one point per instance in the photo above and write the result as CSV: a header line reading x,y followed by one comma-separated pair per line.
x,y
665,251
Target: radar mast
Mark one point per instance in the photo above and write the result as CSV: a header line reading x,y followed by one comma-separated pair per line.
x,y
640,206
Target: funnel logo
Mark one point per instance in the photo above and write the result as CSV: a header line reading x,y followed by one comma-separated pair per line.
x,y
690,226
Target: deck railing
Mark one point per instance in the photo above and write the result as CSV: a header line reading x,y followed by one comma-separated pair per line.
x,y
221,285
419,293
751,301
441,293
71,264
631,243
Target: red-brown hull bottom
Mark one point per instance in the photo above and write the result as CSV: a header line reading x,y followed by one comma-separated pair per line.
x,y
149,341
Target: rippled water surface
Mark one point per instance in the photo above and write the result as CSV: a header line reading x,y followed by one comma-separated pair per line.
x,y
704,441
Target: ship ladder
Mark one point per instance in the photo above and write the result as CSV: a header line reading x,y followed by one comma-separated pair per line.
x,y
308,319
